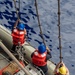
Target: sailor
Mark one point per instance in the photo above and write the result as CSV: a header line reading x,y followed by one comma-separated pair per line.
x,y
18,34
40,57
61,69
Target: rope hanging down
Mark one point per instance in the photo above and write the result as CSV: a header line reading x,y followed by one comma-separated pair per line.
x,y
39,23
17,9
59,31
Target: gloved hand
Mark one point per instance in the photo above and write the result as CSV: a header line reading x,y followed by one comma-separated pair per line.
x,y
48,50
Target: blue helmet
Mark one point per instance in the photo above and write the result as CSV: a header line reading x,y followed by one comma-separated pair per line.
x,y
21,26
42,48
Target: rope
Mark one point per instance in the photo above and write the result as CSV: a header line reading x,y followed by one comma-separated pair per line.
x,y
39,23
59,30
17,9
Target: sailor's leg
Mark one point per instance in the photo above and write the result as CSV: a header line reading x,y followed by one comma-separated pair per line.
x,y
13,48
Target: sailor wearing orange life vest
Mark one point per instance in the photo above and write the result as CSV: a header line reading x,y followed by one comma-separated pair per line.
x,y
61,69
40,57
18,34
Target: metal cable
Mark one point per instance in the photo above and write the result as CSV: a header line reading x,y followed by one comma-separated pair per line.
x,y
17,9
39,22
59,30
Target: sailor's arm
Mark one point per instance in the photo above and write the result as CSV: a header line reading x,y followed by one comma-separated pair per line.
x,y
57,67
16,23
48,53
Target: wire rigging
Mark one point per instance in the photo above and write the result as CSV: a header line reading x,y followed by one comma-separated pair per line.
x,y
59,31
39,24
17,9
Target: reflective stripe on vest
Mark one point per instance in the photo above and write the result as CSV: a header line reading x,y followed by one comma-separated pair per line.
x,y
18,32
39,59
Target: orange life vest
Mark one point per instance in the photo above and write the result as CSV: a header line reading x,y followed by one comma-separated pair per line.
x,y
0,72
18,36
39,59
